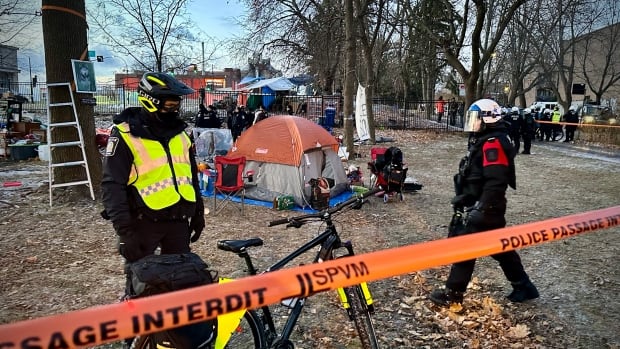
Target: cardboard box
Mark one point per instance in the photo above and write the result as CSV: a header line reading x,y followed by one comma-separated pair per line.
x,y
26,127
40,134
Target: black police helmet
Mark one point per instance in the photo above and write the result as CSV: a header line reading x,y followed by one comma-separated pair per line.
x,y
155,88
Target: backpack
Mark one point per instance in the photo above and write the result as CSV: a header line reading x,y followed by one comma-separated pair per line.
x,y
155,274
393,156
319,193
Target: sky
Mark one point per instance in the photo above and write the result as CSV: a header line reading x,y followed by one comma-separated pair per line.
x,y
214,17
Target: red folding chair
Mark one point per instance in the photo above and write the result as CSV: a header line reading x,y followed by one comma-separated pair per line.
x,y
229,181
376,157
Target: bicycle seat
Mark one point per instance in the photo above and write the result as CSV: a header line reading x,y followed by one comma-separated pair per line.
x,y
237,246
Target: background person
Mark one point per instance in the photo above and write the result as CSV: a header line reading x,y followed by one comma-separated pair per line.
x,y
441,108
207,117
572,118
546,127
556,117
528,130
236,122
480,186
514,119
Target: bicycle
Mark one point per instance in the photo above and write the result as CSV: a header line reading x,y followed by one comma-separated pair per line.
x,y
557,134
256,328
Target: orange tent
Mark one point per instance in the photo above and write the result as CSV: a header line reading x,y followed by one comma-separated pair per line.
x,y
287,151
282,139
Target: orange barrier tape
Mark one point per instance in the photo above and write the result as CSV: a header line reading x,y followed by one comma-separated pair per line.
x,y
581,124
109,323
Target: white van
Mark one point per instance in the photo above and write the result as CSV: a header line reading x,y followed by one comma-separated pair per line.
x,y
546,105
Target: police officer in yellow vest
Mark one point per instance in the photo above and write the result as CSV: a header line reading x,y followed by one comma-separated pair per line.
x,y
150,183
556,117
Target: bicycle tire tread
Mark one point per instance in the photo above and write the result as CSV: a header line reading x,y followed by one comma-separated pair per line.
x,y
361,318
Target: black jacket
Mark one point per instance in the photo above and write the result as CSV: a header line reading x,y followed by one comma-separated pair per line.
x,y
486,171
207,119
121,201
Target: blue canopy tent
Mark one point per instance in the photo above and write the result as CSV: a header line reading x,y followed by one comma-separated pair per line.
x,y
269,87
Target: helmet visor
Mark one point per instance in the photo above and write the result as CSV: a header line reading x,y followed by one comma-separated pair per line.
x,y
472,121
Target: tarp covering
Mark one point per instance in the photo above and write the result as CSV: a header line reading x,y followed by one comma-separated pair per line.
x,y
275,84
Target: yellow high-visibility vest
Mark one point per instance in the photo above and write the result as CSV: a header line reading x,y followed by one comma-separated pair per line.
x,y
556,116
161,178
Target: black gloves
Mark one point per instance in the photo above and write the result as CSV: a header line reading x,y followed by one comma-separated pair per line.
x,y
458,202
129,246
475,214
457,225
196,225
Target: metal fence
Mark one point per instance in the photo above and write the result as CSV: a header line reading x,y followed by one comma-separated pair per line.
x,y
388,113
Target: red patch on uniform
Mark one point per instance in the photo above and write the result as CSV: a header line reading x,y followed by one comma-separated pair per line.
x,y
493,153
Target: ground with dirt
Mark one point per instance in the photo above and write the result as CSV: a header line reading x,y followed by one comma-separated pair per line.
x,y
61,259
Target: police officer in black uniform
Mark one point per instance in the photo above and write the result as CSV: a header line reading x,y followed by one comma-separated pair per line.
x,y
480,201
207,117
528,130
515,122
150,183
572,118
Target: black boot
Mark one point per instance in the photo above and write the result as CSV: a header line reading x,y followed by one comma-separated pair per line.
x,y
523,291
445,297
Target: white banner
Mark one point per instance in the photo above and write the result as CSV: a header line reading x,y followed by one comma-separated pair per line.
x,y
361,116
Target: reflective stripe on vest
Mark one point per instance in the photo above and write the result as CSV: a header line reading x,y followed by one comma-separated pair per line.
x,y
556,117
154,176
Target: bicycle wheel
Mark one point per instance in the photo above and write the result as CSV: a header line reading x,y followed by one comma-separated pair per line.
x,y
557,135
360,315
142,342
249,334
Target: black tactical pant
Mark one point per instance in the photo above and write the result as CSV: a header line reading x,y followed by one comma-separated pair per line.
x,y
171,236
527,143
510,262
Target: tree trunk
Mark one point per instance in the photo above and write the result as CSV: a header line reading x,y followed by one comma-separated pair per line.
x,y
370,81
65,38
349,76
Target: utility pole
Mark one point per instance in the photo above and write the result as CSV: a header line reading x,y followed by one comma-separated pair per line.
x,y
31,81
203,58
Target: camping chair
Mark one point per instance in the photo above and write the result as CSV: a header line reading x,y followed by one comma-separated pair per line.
x,y
229,181
375,166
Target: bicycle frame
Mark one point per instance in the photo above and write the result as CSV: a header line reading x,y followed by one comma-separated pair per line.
x,y
329,241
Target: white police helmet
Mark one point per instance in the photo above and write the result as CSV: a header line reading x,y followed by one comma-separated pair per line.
x,y
482,112
527,111
515,110
572,108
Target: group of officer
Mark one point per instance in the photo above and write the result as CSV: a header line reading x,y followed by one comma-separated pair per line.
x,y
523,126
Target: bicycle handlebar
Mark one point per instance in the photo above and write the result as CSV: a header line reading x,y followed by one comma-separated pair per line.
x,y
298,220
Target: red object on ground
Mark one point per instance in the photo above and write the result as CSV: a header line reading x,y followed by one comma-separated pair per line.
x,y
11,184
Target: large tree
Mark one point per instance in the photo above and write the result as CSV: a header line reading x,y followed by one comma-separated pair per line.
x,y
376,25
461,39
553,41
304,36
154,33
65,38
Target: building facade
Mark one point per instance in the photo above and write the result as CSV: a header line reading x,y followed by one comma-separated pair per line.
x,y
9,71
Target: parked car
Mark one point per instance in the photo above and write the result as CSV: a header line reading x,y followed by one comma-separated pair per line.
x,y
591,113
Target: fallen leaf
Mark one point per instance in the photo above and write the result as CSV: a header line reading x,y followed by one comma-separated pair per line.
x,y
519,331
